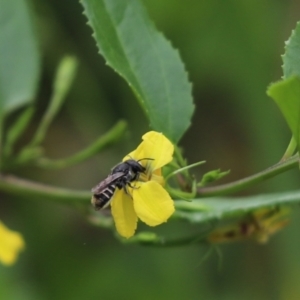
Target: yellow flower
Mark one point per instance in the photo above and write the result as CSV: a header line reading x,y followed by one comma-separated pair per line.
x,y
147,200
11,243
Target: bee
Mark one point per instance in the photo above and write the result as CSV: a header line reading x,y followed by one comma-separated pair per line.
x,y
120,177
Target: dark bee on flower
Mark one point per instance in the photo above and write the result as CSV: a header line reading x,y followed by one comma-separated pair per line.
x,y
120,177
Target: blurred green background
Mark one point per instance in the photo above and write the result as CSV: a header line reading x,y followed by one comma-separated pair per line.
x,y
231,50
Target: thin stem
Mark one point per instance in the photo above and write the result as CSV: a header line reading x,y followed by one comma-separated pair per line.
x,y
111,137
160,241
16,130
290,149
22,187
184,169
247,182
26,188
62,84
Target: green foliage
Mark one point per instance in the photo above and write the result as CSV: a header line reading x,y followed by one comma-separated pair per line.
x,y
219,209
286,94
19,57
291,57
230,50
255,217
64,78
33,151
212,176
132,46
103,142
16,130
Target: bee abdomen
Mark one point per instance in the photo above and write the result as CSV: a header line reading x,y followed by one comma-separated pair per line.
x,y
102,199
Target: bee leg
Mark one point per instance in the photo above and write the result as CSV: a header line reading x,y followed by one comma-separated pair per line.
x,y
133,187
126,191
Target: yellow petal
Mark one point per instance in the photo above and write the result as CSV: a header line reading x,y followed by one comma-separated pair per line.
x,y
136,154
123,214
11,243
158,147
156,176
152,203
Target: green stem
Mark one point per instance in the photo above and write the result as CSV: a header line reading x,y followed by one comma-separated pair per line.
x,y
25,188
104,141
16,131
62,84
247,182
290,149
160,241
22,187
184,169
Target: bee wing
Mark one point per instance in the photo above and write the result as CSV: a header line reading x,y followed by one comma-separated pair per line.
x,y
106,182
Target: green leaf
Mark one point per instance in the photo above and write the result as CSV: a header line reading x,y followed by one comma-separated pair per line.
x,y
212,176
291,58
19,58
132,46
286,94
214,209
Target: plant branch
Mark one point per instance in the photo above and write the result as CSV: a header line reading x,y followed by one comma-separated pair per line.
x,y
62,84
290,149
21,187
111,137
25,188
151,239
247,182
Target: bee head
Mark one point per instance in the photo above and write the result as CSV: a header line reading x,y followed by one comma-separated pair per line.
x,y
136,165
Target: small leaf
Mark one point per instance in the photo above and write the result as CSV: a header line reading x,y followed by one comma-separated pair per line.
x,y
286,94
133,47
19,57
291,58
212,176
